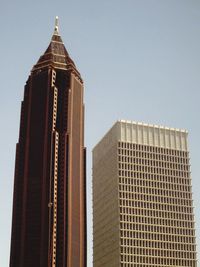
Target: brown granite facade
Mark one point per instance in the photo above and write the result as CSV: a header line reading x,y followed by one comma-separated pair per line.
x,y
49,203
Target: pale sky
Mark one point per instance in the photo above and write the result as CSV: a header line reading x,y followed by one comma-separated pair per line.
x,y
140,60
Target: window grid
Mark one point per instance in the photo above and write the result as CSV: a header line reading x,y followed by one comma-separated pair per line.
x,y
155,206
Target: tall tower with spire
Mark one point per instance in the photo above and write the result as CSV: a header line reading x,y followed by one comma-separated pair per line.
x,y
49,202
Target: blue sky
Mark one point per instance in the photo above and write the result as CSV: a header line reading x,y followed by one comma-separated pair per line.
x,y
140,60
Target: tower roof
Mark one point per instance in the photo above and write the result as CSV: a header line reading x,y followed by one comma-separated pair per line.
x,y
56,54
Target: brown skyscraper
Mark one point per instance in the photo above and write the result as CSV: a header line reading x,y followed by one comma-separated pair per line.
x,y
49,205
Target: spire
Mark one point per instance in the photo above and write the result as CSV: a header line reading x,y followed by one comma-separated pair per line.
x,y
56,32
56,54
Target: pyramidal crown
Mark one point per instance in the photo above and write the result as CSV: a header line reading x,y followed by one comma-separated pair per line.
x,y
56,55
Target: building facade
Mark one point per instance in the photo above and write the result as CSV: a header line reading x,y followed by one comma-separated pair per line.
x,y
142,198
49,203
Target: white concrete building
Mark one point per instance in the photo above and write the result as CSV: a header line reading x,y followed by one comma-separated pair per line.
x,y
142,198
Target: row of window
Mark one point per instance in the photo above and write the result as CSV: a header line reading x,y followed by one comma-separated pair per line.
x,y
163,229
155,192
133,166
156,261
158,253
154,149
151,229
156,213
135,264
156,236
138,156
158,244
130,193
155,183
168,180
156,228
152,170
156,221
155,206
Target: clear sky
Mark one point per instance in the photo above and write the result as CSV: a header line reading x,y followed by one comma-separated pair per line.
x,y
140,60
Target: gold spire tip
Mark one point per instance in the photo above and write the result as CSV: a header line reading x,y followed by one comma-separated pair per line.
x,y
56,32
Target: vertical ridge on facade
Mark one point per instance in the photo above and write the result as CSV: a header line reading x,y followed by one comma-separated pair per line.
x,y
49,203
142,198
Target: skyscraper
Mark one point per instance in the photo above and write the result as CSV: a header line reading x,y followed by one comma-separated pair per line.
x,y
142,198
49,203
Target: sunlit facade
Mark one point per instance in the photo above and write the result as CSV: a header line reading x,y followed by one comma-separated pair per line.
x,y
142,198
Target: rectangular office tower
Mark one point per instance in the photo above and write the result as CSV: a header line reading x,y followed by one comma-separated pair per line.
x,y
142,198
49,204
